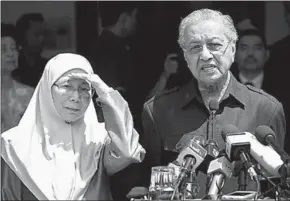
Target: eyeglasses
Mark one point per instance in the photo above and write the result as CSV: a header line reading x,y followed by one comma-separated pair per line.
x,y
213,47
69,90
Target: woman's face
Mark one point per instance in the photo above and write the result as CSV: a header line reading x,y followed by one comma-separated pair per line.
x,y
71,96
9,54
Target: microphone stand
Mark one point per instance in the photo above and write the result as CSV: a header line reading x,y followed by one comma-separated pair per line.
x,y
285,174
242,180
284,189
189,188
182,179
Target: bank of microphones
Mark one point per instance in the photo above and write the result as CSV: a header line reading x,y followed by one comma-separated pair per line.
x,y
188,160
258,153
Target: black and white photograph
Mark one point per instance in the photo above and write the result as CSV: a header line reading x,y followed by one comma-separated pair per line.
x,y
145,100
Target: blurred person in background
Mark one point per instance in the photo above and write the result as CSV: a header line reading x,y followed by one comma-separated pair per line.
x,y
175,74
112,58
30,32
15,96
251,56
111,55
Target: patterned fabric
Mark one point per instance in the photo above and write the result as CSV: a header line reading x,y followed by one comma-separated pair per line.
x,y
14,101
57,160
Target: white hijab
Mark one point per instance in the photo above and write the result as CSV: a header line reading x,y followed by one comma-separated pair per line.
x,y
55,160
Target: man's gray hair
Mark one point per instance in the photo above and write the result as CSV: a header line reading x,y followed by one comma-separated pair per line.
x,y
206,14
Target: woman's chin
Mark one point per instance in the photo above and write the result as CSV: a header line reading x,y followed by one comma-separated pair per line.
x,y
71,118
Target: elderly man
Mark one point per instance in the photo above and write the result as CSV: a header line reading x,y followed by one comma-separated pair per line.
x,y
208,40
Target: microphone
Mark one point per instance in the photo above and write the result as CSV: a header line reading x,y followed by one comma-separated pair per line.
x,y
230,129
189,158
267,157
218,170
211,145
213,107
266,136
137,192
212,152
237,148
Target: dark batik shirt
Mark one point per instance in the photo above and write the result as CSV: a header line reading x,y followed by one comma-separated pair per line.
x,y
170,120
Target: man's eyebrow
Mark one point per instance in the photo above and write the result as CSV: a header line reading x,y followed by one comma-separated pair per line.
x,y
216,38
194,41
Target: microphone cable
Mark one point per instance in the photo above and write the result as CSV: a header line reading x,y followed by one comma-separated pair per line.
x,y
258,191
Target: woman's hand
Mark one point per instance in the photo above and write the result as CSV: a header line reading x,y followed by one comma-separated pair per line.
x,y
97,83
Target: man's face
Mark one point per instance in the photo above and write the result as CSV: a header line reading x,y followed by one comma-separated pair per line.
x,y
251,53
130,24
35,36
9,56
208,52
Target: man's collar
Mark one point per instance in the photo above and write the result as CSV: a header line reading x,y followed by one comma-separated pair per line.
x,y
236,90
190,92
257,81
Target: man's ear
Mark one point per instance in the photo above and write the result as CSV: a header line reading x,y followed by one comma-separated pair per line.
x,y
185,56
233,48
233,51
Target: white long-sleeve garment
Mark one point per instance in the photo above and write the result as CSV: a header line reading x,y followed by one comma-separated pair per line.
x,y
60,161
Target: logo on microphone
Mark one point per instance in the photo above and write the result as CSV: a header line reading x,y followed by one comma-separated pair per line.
x,y
215,152
198,149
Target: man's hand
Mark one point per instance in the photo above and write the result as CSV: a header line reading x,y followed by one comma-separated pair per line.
x,y
170,65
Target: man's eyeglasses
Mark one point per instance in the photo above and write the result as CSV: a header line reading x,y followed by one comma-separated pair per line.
x,y
69,90
213,47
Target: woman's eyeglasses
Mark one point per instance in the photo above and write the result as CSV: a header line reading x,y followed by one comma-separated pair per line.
x,y
84,91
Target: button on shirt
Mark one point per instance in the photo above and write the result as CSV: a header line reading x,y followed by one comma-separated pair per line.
x,y
171,119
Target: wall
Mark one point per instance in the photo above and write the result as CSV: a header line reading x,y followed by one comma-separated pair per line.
x,y
12,10
276,26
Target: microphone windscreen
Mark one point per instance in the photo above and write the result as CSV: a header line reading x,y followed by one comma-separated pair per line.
x,y
137,192
199,140
230,128
213,104
262,132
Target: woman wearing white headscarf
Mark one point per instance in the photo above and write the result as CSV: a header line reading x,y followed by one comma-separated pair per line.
x,y
59,150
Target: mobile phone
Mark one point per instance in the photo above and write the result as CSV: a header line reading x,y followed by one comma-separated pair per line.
x,y
239,195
